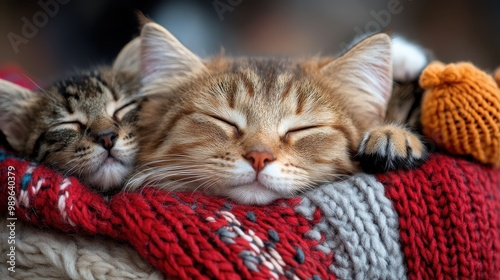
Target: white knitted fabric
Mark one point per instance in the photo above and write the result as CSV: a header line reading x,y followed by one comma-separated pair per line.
x,y
45,254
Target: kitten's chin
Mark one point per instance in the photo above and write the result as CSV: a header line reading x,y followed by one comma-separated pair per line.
x,y
254,193
109,176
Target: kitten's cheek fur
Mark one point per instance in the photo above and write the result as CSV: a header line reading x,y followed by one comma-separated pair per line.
x,y
273,179
263,189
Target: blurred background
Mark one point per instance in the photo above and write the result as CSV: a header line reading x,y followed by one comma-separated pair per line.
x,y
48,38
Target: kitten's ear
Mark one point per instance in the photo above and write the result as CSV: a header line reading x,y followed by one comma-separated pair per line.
x,y
129,58
15,104
164,57
364,76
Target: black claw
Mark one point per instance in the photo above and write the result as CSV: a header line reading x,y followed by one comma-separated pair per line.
x,y
375,163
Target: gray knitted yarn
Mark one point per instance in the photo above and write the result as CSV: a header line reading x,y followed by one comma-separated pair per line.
x,y
359,226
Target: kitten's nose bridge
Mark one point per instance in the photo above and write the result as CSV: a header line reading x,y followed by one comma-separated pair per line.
x,y
259,159
104,132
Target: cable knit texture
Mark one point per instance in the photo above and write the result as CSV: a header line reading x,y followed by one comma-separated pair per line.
x,y
449,215
461,110
359,226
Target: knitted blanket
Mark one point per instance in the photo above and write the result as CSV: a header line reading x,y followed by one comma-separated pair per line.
x,y
48,254
441,221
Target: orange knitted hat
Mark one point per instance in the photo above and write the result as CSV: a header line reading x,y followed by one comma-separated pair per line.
x,y
461,110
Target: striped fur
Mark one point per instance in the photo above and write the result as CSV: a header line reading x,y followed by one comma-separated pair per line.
x,y
198,141
205,120
83,125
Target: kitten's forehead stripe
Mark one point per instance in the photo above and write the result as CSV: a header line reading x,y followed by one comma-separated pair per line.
x,y
301,101
100,80
287,89
71,90
68,92
173,121
232,94
248,85
68,106
106,91
269,75
269,70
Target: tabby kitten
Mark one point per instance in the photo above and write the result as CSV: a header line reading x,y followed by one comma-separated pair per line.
x,y
83,125
258,129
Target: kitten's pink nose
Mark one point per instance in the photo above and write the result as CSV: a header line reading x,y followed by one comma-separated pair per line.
x,y
259,159
107,139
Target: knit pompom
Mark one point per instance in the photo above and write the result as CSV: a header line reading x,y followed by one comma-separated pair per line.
x,y
437,74
431,76
461,111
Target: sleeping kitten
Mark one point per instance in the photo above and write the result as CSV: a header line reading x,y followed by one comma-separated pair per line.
x,y
83,125
254,129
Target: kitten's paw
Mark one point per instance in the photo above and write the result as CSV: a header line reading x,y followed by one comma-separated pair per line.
x,y
408,60
391,147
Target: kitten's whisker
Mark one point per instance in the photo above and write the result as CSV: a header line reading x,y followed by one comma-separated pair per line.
x,y
191,181
37,85
76,169
180,183
172,167
146,167
163,171
71,169
163,175
207,184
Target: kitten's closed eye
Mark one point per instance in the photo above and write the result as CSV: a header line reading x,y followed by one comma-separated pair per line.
x,y
234,128
298,130
222,120
73,125
124,110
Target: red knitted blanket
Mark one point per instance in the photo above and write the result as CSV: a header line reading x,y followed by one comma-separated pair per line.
x,y
441,221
